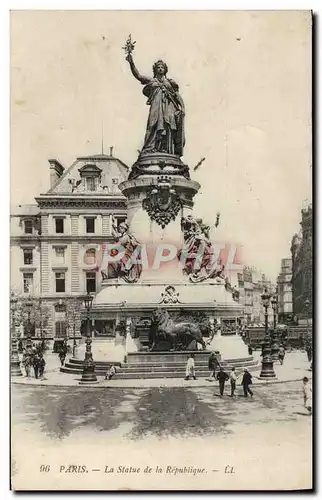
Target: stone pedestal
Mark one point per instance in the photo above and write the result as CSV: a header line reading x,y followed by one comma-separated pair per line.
x,y
229,346
159,193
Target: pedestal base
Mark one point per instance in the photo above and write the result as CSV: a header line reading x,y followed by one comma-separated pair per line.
x,y
88,377
229,346
15,369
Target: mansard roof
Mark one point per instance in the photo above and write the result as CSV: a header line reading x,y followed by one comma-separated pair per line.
x,y
111,168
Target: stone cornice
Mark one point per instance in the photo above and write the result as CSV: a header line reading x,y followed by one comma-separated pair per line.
x,y
79,201
65,238
222,309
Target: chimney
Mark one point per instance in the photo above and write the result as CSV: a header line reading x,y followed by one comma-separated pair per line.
x,y
56,171
111,150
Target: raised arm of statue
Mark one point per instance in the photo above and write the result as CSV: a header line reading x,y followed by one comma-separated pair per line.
x,y
135,72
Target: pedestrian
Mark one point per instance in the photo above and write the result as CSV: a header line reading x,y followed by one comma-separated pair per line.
x,y
222,377
62,356
35,364
190,368
309,352
110,373
212,365
246,382
42,364
233,379
281,355
250,350
26,361
307,393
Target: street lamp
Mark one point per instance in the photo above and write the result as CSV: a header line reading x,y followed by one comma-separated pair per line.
x,y
274,307
267,370
28,329
266,297
14,361
275,346
88,374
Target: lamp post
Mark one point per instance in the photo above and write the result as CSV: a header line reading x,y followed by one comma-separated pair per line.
x,y
29,325
88,374
14,361
74,339
267,370
275,344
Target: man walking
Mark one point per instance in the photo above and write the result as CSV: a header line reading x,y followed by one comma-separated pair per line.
x,y
190,368
212,365
246,382
26,361
232,378
35,364
42,364
222,377
281,355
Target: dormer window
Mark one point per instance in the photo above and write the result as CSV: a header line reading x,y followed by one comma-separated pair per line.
x,y
91,184
90,176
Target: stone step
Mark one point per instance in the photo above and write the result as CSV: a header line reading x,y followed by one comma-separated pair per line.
x,y
155,371
166,374
72,363
79,362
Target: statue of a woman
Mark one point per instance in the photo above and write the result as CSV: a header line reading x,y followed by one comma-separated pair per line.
x,y
165,127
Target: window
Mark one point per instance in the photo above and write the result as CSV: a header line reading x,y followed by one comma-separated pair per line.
x,y
60,255
90,282
61,329
60,282
27,282
27,257
60,320
91,183
120,220
90,225
59,224
90,257
28,226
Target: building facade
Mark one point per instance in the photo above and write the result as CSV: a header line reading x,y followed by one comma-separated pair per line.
x,y
251,285
54,243
301,249
284,292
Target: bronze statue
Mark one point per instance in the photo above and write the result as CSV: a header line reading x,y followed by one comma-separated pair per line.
x,y
124,268
197,243
180,334
165,127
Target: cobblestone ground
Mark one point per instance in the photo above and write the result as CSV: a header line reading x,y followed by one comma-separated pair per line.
x,y
168,411
193,426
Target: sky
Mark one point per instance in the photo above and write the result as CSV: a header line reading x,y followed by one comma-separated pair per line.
x,y
245,78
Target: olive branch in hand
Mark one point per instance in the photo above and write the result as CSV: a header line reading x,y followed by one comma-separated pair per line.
x,y
129,46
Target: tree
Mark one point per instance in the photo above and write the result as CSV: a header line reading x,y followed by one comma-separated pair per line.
x,y
73,315
39,312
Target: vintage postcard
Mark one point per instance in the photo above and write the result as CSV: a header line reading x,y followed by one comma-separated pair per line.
x,y
161,250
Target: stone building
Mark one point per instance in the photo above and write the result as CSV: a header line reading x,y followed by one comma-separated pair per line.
x,y
284,292
251,285
49,239
301,250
